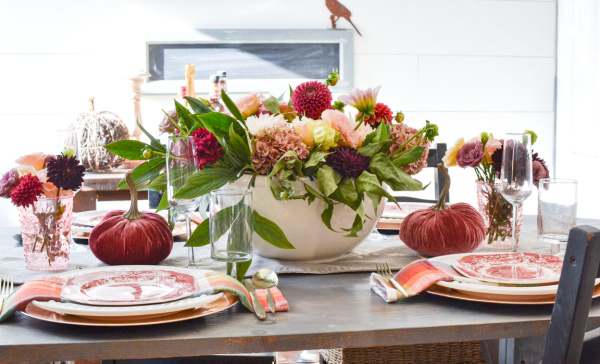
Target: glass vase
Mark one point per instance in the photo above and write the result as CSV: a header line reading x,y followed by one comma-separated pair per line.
x,y
497,213
46,232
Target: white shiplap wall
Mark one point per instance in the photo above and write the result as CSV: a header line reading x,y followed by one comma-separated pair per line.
x,y
467,65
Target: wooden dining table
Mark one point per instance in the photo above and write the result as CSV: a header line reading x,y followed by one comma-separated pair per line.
x,y
326,311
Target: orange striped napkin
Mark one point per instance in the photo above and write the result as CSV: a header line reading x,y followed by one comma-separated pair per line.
x,y
50,288
414,278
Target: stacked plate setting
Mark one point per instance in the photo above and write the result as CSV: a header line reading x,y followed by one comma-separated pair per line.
x,y
130,296
508,278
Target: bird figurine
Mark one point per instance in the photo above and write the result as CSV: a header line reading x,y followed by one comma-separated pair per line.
x,y
339,11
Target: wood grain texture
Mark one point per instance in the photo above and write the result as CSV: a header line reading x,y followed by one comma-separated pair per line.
x,y
326,311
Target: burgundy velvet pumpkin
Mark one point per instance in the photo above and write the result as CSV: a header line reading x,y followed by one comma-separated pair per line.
x,y
441,229
131,237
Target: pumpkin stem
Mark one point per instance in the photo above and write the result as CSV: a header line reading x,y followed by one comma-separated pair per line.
x,y
133,213
92,104
441,204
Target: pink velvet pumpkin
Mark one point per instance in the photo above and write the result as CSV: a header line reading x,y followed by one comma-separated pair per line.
x,y
442,229
131,237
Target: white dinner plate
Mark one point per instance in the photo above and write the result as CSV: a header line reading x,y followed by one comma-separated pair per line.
x,y
157,310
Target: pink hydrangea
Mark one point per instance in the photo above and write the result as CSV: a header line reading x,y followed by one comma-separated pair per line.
x,y
404,132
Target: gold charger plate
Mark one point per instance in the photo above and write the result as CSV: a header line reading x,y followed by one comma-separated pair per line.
x,y
513,300
221,304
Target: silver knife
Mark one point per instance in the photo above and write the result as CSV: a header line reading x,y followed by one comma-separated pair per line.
x,y
259,310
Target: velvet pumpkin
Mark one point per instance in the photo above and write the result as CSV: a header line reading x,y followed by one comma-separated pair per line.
x,y
443,229
131,237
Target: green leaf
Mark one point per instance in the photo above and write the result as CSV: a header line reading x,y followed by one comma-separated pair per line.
x,y
374,148
156,143
409,157
376,199
218,124
239,146
282,162
144,172
204,181
368,182
272,104
164,203
183,114
290,101
346,194
270,232
197,105
356,226
157,184
369,138
280,98
326,216
232,107
316,157
241,268
395,177
200,236
129,149
328,180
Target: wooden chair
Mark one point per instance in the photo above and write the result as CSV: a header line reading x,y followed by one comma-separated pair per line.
x,y
565,342
433,159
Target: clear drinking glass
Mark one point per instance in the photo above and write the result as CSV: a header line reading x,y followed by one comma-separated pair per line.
x,y
231,225
516,175
557,211
181,164
67,139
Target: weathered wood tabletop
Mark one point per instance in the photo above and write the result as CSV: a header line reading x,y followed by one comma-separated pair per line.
x,y
326,311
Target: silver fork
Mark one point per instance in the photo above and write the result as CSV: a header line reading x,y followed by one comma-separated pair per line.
x,y
6,288
384,271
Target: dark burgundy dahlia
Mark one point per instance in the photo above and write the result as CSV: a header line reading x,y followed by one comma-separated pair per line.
x,y
347,162
311,99
208,149
65,172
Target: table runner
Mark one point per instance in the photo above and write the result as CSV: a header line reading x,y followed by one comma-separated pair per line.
x,y
362,259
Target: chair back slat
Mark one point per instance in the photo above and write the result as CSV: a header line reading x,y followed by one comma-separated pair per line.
x,y
433,159
574,296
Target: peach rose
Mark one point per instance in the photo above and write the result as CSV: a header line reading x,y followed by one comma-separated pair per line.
x,y
35,160
249,105
287,111
490,147
340,122
302,128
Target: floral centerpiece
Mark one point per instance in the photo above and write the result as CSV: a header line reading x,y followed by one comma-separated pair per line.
x,y
309,138
42,186
484,154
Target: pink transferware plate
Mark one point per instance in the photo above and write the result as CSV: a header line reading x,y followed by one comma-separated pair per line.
x,y
129,287
513,268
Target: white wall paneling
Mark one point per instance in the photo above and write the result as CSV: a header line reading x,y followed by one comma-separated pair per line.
x,y
467,65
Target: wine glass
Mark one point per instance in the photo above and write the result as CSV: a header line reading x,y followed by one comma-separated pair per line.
x,y
181,164
516,176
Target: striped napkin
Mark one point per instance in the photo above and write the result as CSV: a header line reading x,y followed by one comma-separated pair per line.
x,y
50,287
414,278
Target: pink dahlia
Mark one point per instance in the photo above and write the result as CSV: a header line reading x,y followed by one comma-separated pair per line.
x,y
273,143
208,149
363,100
404,132
381,114
347,162
311,99
26,192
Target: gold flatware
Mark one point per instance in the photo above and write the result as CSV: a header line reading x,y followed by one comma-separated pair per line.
x,y
259,310
6,288
266,279
386,273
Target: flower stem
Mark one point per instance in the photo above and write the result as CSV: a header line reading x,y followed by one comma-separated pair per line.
x,y
419,134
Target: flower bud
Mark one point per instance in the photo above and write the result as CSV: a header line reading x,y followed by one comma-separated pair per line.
x,y
399,117
69,152
147,153
333,78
